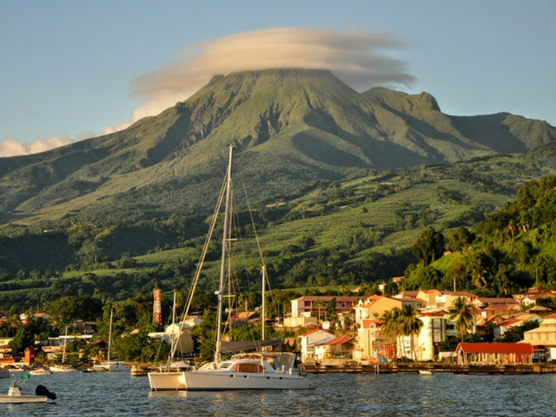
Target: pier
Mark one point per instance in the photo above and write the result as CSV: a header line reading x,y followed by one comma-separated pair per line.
x,y
356,367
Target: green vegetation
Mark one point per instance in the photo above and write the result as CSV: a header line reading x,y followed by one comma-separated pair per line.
x,y
351,232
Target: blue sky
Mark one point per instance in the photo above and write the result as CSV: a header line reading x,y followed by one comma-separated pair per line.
x,y
70,69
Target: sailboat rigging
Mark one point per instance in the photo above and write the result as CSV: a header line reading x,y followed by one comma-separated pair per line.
x,y
246,371
63,367
110,365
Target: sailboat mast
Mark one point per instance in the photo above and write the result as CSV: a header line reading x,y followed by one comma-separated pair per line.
x,y
110,338
220,292
263,305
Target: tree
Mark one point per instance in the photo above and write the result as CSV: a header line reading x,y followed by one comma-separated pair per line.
x,y
23,338
459,238
410,325
464,316
318,304
391,327
429,246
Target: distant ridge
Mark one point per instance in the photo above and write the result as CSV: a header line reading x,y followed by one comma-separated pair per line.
x,y
292,129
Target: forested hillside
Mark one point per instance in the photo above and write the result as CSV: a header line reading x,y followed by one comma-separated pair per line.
x,y
512,249
351,232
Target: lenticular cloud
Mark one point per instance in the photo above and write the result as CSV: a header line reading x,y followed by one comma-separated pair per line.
x,y
358,58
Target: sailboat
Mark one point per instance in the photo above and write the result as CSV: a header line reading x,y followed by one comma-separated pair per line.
x,y
167,377
63,367
109,365
245,371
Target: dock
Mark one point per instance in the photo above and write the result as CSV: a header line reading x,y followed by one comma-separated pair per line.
x,y
355,367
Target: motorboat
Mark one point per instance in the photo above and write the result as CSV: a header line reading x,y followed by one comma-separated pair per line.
x,y
40,371
14,396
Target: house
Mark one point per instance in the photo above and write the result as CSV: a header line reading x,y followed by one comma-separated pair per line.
x,y
244,318
312,339
494,353
543,336
371,344
305,320
503,310
429,297
340,347
446,299
503,327
434,331
407,294
482,302
310,304
376,305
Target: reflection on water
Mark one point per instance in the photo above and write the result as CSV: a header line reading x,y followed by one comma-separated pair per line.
x,y
336,395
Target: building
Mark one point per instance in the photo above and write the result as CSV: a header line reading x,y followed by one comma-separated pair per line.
x,y
494,353
310,304
375,306
312,339
503,327
340,347
305,320
446,299
434,331
543,336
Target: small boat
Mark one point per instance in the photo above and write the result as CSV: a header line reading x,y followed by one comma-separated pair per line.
x,y
40,371
58,369
111,366
14,396
138,371
425,372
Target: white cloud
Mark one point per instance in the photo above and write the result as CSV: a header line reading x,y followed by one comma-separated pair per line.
x,y
12,147
358,57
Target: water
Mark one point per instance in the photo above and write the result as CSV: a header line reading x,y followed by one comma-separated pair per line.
x,y
117,394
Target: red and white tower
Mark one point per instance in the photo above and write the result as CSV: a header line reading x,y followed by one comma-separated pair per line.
x,y
157,309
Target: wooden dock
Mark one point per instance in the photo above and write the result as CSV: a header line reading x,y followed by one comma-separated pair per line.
x,y
355,367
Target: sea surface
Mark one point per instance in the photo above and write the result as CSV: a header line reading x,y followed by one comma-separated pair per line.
x,y
338,395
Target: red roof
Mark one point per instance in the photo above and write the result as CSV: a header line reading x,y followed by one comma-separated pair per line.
x,y
339,341
524,348
311,332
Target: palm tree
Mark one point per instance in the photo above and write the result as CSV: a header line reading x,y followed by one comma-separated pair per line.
x,y
319,304
391,327
464,316
410,325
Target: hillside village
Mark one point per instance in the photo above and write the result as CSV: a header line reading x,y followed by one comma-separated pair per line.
x,y
492,320
362,329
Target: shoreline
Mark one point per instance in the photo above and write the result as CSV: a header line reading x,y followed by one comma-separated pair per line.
x,y
393,368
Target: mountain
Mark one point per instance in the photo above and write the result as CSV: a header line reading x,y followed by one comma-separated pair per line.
x,y
292,129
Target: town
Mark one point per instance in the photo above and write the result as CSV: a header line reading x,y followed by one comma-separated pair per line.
x,y
328,332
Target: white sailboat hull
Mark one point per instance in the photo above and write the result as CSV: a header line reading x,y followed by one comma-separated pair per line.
x,y
227,381
166,381
111,367
62,369
22,399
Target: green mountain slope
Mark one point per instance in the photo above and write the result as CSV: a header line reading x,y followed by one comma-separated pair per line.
x,y
291,128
